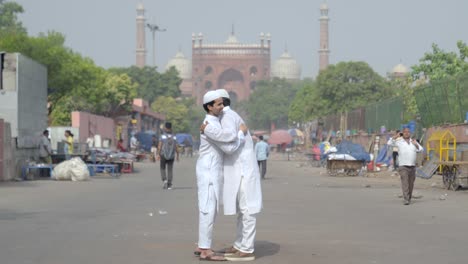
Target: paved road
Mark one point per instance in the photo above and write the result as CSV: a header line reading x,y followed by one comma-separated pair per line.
x,y
308,217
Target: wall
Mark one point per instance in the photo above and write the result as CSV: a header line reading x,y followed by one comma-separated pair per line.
x,y
57,134
90,125
23,104
2,150
9,93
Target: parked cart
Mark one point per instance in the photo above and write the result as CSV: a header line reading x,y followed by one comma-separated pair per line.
x,y
343,166
454,174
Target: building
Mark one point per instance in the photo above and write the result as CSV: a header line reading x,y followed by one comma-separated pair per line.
x,y
140,37
232,65
286,67
23,109
184,67
400,71
324,50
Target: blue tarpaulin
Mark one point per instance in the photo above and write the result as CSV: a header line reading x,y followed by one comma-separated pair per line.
x,y
355,150
183,139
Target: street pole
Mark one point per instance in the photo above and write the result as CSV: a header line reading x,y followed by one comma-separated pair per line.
x,y
153,28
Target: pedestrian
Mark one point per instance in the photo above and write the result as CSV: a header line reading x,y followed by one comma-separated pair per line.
x,y
68,144
167,152
242,193
133,144
209,176
154,148
407,149
262,151
120,146
45,151
398,134
188,147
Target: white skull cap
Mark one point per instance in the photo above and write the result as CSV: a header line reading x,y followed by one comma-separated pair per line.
x,y
211,96
223,93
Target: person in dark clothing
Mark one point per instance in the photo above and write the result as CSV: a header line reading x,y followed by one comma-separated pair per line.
x,y
167,153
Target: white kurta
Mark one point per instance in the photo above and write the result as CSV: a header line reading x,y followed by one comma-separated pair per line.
x,y
240,164
209,164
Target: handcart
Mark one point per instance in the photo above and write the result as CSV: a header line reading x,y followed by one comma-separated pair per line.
x,y
454,174
344,166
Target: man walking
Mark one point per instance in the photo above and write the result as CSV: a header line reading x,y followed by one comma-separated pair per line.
x,y
398,134
209,175
407,149
45,152
262,151
167,152
242,188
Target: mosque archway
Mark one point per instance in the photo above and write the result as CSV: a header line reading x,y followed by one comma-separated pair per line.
x,y
230,77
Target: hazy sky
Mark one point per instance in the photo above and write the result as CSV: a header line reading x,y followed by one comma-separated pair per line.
x,y
382,33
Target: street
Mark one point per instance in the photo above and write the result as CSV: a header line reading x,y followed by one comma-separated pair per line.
x,y
308,217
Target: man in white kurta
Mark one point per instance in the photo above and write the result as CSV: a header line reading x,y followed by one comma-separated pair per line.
x,y
242,193
209,177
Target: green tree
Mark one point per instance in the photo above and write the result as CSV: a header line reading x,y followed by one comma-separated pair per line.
x,y
175,112
152,84
348,85
9,23
269,103
439,64
117,95
307,103
194,117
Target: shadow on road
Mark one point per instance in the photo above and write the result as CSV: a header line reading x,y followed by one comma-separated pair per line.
x,y
266,248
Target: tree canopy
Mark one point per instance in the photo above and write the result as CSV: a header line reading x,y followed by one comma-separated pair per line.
x,y
439,64
348,85
9,23
269,103
152,84
174,111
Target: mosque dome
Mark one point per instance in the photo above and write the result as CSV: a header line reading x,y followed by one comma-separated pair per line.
x,y
286,67
182,65
400,69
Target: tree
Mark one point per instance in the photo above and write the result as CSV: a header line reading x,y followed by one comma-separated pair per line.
x,y
9,23
152,84
175,112
439,64
348,85
269,104
117,95
307,104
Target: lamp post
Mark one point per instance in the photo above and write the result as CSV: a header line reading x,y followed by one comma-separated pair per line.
x,y
153,28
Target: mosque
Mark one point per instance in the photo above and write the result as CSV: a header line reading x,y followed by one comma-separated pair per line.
x,y
232,65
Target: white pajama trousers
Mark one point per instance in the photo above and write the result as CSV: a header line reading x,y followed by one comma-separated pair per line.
x,y
206,221
246,224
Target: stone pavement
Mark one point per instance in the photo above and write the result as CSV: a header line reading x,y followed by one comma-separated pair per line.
x,y
308,217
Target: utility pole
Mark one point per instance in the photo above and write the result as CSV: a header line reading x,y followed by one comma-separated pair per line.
x,y
153,28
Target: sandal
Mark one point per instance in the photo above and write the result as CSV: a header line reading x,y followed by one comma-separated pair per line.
x,y
213,257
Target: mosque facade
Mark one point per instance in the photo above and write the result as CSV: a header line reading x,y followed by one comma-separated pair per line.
x,y
232,65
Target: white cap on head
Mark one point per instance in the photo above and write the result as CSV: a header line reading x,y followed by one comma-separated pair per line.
x,y
223,93
211,96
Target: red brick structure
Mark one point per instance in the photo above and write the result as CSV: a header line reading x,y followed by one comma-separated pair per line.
x,y
232,65
324,51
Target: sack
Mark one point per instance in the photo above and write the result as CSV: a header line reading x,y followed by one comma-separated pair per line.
x,y
168,148
74,169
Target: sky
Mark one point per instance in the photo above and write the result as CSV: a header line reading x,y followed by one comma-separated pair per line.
x,y
382,33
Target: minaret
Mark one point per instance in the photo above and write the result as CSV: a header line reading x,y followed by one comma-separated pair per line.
x,y
323,50
140,37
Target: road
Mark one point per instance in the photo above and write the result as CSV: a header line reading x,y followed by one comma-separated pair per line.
x,y
308,217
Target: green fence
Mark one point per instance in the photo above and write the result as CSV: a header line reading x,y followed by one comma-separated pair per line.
x,y
386,113
441,102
